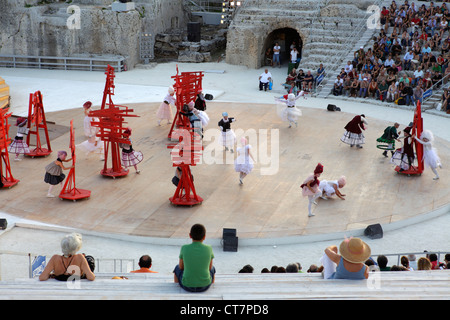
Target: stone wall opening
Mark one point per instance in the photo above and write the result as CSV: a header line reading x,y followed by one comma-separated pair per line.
x,y
285,38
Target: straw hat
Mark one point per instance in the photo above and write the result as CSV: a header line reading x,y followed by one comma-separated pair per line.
x,y
354,250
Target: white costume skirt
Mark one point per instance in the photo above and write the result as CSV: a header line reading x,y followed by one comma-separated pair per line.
x,y
164,112
327,188
204,118
288,114
401,160
245,167
132,158
228,138
18,146
90,146
353,138
431,158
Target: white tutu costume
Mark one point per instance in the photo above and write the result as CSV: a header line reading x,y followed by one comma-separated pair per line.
x,y
243,162
165,110
19,146
287,110
430,156
93,143
327,187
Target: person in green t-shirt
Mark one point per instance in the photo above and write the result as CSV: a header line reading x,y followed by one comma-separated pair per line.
x,y
195,271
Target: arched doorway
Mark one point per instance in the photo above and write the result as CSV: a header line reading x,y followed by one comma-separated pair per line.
x,y
285,38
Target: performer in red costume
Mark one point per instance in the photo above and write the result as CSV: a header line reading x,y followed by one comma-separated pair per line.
x,y
354,135
310,187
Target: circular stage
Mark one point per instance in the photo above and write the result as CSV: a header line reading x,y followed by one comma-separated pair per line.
x,y
268,205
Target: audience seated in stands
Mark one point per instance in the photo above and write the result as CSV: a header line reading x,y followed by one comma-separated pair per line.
x,y
382,262
145,263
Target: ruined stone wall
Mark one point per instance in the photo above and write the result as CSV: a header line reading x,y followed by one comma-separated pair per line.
x,y
30,28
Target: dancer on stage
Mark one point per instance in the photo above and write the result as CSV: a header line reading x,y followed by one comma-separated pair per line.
x,y
310,187
197,118
130,157
244,162
53,172
287,110
331,188
228,135
165,110
404,157
354,136
387,140
430,156
93,144
18,146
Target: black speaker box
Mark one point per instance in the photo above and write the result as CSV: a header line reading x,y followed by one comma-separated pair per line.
x,y
193,31
209,96
3,224
230,241
374,231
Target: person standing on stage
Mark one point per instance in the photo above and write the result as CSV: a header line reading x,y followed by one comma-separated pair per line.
x,y
354,135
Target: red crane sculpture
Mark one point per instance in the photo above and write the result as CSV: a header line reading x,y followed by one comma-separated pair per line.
x,y
417,129
111,124
69,191
187,146
6,178
36,121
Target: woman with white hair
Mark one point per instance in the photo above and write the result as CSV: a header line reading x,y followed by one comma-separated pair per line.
x,y
287,110
165,110
430,156
70,265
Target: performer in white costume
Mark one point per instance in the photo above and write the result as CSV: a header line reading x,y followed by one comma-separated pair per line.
x,y
331,188
287,110
430,156
93,144
228,135
244,162
165,110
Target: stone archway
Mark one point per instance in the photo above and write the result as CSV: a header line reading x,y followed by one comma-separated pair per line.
x,y
285,37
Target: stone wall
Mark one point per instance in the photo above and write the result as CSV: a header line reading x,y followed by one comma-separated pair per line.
x,y
30,28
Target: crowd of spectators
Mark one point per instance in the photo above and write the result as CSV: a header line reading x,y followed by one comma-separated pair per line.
x,y
409,56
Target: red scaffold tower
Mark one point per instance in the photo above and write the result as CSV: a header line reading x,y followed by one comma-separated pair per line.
x,y
69,190
416,130
36,121
6,178
187,146
111,124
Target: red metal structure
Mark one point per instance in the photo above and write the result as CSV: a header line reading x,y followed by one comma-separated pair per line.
x,y
417,131
111,123
187,150
69,191
36,121
6,178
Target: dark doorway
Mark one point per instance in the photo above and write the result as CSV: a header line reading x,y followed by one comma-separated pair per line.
x,y
285,38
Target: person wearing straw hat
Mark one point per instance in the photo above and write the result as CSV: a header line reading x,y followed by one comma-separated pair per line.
x,y
350,263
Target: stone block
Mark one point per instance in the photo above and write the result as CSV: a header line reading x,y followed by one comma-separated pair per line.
x,y
190,56
121,7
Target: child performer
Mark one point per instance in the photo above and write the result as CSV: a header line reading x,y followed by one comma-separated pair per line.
x,y
18,146
310,187
404,157
165,110
244,162
130,157
287,110
353,135
331,188
388,138
53,172
430,156
228,136
93,144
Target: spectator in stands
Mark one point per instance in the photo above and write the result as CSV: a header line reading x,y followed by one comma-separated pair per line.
x,y
424,264
412,261
435,264
382,90
338,86
276,55
382,262
246,269
364,85
299,80
398,268
265,270
418,75
195,271
320,74
350,262
445,101
405,263
346,86
292,268
264,80
354,87
280,270
372,89
418,94
308,81
392,92
145,263
70,265
407,60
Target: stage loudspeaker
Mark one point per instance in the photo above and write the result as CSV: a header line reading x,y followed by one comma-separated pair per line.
x,y
332,107
3,224
230,241
209,96
374,231
193,31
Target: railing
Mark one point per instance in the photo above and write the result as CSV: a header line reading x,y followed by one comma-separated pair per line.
x,y
62,63
429,92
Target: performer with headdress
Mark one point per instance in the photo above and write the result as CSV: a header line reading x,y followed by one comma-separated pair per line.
x,y
404,157
19,146
93,144
310,187
244,162
130,157
228,135
354,135
331,188
165,110
287,110
387,140
430,156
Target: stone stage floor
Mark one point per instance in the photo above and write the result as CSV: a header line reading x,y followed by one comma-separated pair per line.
x,y
268,205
